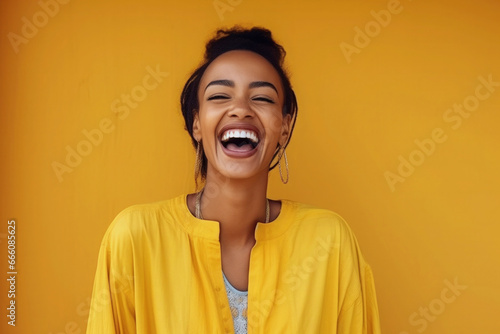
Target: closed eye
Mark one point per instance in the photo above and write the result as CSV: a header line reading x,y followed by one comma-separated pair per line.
x,y
264,99
218,97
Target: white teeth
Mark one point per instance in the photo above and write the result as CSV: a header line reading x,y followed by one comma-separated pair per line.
x,y
240,134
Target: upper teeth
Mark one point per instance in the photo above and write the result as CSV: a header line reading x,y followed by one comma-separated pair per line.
x,y
240,134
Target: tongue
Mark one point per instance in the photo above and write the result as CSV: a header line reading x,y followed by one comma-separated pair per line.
x,y
242,148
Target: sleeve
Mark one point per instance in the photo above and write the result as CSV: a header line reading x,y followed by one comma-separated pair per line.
x,y
112,309
358,312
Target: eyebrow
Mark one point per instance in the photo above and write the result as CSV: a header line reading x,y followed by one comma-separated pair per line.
x,y
227,83
257,84
230,83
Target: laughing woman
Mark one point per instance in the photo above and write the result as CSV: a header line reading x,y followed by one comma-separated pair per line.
x,y
227,259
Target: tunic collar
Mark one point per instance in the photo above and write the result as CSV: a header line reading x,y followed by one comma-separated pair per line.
x,y
209,229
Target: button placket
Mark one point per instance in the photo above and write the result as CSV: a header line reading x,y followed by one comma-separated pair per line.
x,y
215,268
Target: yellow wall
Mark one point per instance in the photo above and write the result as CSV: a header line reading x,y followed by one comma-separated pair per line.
x,y
364,102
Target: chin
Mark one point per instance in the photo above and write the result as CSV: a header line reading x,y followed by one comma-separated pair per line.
x,y
239,170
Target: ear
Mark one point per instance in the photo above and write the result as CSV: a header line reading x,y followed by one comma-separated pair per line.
x,y
285,129
196,126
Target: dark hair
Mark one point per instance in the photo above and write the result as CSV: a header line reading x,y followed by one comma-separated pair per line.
x,y
256,39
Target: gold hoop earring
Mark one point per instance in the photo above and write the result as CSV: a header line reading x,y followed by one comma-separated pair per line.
x,y
198,163
285,181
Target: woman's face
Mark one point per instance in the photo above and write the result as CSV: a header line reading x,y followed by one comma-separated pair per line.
x,y
240,119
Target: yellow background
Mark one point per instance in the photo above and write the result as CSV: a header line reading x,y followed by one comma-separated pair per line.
x,y
355,119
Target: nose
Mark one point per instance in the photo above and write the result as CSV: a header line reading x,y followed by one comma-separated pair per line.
x,y
241,109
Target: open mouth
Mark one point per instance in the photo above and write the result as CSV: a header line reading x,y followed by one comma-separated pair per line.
x,y
239,140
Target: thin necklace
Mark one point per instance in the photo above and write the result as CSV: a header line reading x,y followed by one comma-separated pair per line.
x,y
198,207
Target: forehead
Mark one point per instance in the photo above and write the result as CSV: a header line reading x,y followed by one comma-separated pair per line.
x,y
242,67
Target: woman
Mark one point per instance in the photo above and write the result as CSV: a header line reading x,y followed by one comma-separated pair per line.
x,y
227,259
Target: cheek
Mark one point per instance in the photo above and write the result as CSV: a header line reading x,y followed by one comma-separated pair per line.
x,y
274,123
208,124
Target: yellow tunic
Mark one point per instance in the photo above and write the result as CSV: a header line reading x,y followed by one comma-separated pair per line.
x,y
159,271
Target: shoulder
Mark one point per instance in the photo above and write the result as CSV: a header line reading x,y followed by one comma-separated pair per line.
x,y
140,219
327,230
312,226
309,217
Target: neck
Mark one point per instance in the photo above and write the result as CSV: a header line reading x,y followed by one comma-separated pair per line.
x,y
237,205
